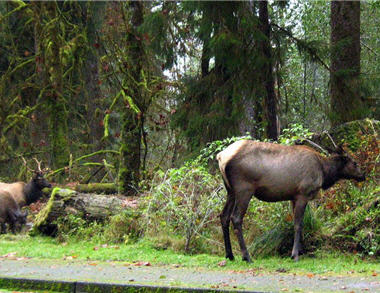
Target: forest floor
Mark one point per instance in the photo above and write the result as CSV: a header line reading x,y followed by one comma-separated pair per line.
x,y
147,274
140,264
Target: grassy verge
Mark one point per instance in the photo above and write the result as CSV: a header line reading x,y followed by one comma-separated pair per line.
x,y
48,248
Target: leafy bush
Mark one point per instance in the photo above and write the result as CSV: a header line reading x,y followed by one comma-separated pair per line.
x,y
295,132
213,148
270,228
183,202
351,209
124,227
75,227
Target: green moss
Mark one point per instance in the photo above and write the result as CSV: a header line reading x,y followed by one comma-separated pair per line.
x,y
103,188
41,217
36,285
58,135
349,133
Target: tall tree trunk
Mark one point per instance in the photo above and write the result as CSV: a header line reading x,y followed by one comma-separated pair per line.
x,y
205,37
56,101
346,103
268,82
39,127
131,124
94,20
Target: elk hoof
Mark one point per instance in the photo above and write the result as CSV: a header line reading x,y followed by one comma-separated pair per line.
x,y
230,256
295,257
247,259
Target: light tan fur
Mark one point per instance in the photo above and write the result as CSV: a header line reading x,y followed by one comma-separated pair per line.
x,y
227,154
16,190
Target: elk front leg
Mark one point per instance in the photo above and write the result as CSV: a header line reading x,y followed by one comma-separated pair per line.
x,y
299,206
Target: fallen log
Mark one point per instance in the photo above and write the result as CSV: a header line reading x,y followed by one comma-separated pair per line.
x,y
89,206
104,188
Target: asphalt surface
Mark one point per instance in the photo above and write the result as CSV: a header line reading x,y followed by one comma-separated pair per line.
x,y
146,274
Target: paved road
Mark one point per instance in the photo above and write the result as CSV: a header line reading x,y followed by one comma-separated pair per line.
x,y
147,274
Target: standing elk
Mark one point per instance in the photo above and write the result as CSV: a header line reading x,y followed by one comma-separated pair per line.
x,y
27,193
273,172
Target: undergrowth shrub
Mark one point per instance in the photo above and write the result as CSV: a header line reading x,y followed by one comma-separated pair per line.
x,y
352,209
270,228
184,204
121,228
124,227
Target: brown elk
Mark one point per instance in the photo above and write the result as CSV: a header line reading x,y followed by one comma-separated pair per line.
x,y
273,172
27,193
10,212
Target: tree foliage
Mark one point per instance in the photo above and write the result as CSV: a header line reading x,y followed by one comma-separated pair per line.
x,y
112,92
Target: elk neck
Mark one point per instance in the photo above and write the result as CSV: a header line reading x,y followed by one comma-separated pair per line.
x,y
331,169
32,192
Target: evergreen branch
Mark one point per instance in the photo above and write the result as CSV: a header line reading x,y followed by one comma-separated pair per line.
x,y
369,48
302,44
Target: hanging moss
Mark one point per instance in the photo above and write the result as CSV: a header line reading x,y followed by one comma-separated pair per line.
x,y
40,219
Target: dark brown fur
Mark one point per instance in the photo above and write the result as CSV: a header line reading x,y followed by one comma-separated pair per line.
x,y
10,212
273,172
26,193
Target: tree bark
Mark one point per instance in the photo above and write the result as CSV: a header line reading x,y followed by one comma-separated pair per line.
x,y
272,128
56,101
346,103
92,93
131,124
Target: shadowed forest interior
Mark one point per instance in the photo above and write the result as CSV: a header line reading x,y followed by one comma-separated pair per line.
x,y
140,96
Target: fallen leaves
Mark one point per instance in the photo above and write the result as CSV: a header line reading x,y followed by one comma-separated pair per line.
x,y
282,270
106,246
13,256
130,203
310,275
142,263
222,263
70,257
10,254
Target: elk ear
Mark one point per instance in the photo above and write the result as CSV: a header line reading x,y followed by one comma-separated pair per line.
x,y
330,150
339,150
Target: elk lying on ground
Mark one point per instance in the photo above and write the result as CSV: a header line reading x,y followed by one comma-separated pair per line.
x,y
27,193
273,172
10,212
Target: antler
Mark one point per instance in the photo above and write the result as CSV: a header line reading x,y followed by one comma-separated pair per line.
x,y
333,142
26,164
316,145
38,165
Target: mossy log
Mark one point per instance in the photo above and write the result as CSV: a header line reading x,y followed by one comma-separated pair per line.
x,y
104,188
348,133
89,206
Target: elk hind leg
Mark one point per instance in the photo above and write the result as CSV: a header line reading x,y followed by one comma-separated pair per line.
x,y
240,208
225,218
299,211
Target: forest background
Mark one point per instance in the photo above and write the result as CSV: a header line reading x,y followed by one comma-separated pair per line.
x,y
123,92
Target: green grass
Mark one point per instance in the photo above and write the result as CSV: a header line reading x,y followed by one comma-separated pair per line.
x,y
49,248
